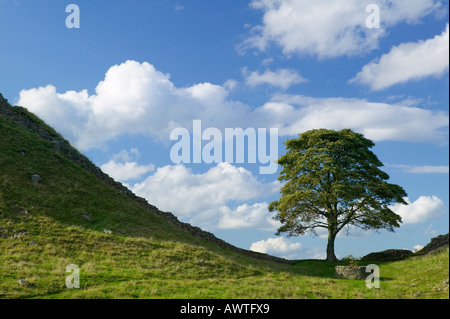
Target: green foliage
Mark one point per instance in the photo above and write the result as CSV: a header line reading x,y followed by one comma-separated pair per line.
x,y
332,180
352,261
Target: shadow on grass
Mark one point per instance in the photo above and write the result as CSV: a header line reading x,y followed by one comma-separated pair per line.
x,y
324,269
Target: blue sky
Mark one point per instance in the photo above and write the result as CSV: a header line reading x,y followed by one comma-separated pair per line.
x,y
134,70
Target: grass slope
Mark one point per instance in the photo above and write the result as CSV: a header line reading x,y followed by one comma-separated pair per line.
x,y
43,230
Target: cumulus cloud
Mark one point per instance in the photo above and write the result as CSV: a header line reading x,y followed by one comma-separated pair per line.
x,y
126,171
421,210
378,121
330,28
407,62
204,198
278,246
282,78
68,112
135,98
248,216
123,166
230,84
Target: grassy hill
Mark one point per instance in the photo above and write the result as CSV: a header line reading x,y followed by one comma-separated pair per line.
x,y
144,253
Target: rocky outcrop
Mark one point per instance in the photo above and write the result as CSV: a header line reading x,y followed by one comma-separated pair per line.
x,y
435,243
30,122
400,254
388,255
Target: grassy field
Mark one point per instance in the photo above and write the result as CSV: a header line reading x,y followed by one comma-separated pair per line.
x,y
43,229
113,266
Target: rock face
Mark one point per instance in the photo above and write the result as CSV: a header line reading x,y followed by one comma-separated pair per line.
x,y
436,242
58,144
36,178
24,283
88,218
350,272
388,255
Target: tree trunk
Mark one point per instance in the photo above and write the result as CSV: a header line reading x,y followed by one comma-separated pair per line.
x,y
331,257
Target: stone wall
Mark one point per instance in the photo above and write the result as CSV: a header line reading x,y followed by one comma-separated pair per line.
x,y
388,255
400,254
350,272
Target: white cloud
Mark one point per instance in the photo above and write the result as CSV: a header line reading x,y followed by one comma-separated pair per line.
x,y
424,169
255,216
282,78
417,247
330,28
124,167
133,98
407,62
126,171
378,121
136,98
421,210
68,112
267,61
278,246
231,84
203,198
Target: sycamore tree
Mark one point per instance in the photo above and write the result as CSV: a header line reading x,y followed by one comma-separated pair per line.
x,y
331,179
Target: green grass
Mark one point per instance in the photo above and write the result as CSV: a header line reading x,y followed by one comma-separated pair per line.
x,y
146,257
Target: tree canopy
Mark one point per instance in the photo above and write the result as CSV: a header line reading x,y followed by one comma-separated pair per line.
x,y
331,179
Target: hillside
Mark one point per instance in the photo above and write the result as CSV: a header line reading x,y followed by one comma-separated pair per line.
x,y
73,194
61,147
59,209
